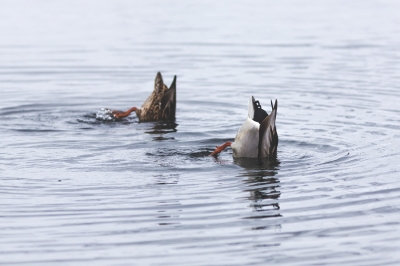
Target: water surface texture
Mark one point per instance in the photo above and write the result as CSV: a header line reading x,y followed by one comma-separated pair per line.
x,y
76,190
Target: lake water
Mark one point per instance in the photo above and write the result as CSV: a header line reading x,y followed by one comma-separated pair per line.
x,y
75,190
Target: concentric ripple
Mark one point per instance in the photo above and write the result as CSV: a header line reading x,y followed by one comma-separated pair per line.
x,y
79,187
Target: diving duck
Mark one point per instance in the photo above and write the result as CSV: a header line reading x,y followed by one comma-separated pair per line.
x,y
257,137
159,106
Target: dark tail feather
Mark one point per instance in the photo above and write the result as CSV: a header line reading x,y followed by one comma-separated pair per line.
x,y
274,107
168,103
268,136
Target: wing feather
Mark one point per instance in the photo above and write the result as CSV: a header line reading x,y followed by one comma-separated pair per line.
x,y
168,103
268,136
251,108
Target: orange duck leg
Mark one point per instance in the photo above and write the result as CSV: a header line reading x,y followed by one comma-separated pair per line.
x,y
118,114
221,148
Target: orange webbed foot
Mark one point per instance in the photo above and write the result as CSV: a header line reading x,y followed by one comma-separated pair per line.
x,y
220,148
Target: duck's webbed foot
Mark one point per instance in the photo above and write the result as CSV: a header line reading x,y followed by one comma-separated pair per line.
x,y
220,148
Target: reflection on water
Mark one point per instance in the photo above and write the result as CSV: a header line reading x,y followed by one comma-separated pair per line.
x,y
166,179
262,184
270,165
161,129
168,212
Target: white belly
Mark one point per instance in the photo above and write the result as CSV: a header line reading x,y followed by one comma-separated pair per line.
x,y
246,141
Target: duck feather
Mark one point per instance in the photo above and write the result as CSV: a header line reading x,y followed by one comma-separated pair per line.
x,y
268,137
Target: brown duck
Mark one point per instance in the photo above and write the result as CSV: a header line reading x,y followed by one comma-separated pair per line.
x,y
159,106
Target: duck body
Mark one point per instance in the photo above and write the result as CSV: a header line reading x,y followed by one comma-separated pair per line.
x,y
268,136
257,137
246,140
159,106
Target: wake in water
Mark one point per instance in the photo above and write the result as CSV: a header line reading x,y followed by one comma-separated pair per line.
x,y
105,114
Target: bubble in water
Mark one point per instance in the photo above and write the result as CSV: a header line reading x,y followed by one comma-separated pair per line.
x,y
105,114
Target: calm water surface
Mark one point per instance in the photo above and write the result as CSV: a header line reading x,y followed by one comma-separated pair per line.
x,y
76,191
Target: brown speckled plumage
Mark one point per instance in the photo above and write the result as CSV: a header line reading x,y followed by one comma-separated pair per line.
x,y
161,104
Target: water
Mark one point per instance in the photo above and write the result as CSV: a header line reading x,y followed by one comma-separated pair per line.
x,y
75,190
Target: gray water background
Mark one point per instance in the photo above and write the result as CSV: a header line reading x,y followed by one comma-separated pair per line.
x,y
77,191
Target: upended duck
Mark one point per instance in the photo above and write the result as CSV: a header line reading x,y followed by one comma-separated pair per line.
x,y
159,106
257,137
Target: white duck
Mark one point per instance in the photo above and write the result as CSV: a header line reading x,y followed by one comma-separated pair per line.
x,y
257,137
